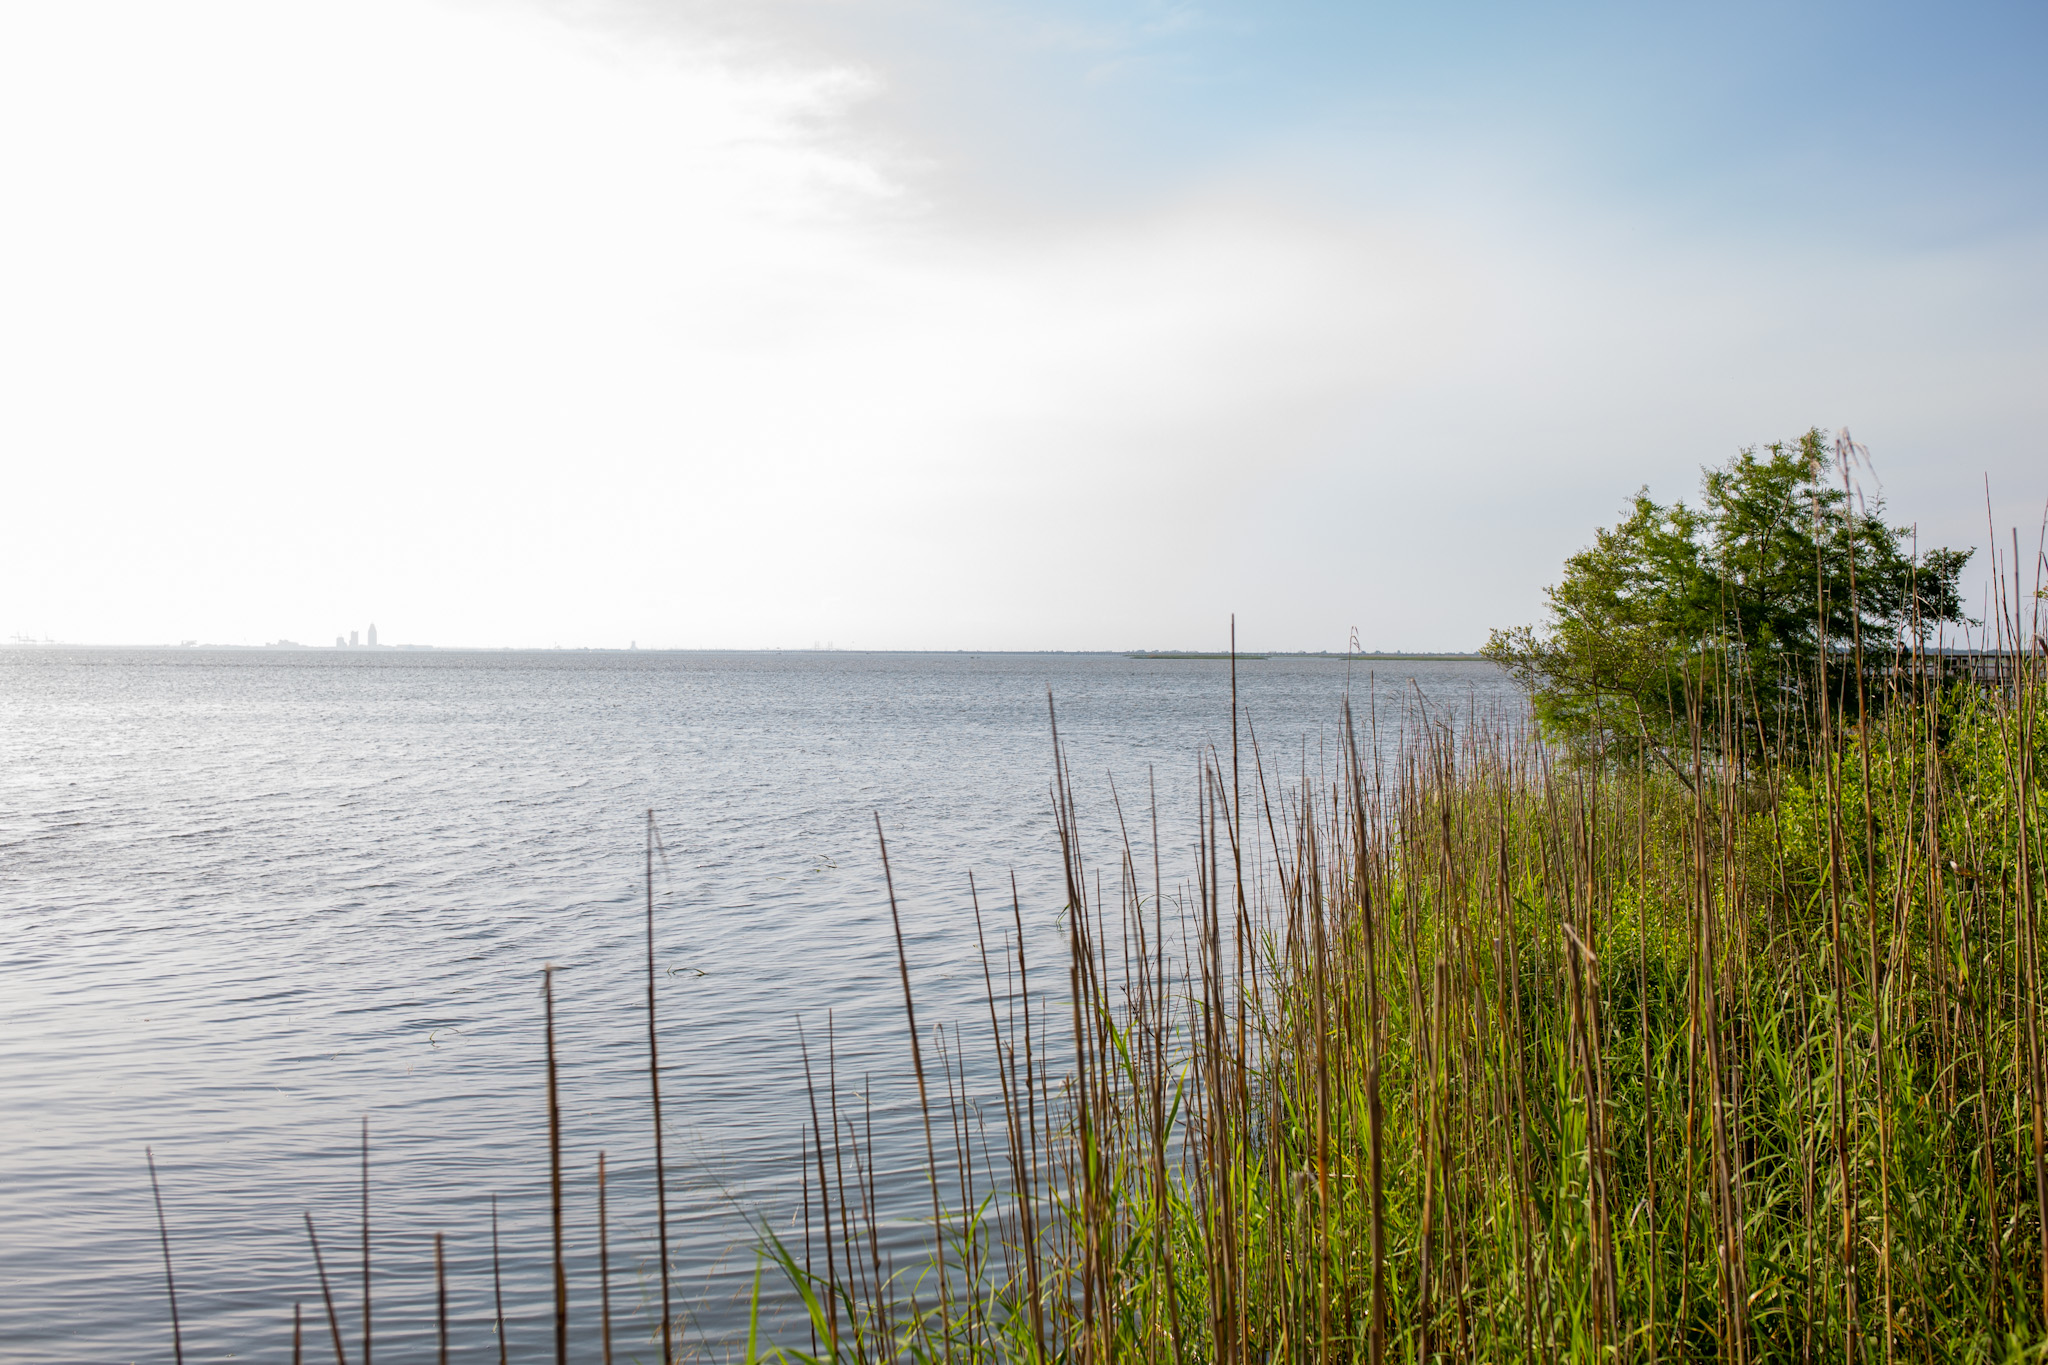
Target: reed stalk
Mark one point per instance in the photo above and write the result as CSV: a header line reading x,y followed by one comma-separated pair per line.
x,y
366,1237
668,1349
440,1302
326,1293
561,1275
604,1267
497,1287
163,1232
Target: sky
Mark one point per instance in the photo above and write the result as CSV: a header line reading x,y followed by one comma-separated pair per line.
x,y
897,324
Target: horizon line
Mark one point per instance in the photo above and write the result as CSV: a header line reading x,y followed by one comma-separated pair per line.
x,y
1155,653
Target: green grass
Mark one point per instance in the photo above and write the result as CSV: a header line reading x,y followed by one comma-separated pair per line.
x,y
1504,1056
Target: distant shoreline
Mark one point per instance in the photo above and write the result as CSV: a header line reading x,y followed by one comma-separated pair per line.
x,y
1168,655
1174,654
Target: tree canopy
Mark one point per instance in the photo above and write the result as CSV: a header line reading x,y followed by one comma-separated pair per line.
x,y
1775,573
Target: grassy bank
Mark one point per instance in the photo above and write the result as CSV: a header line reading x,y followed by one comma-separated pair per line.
x,y
1736,1055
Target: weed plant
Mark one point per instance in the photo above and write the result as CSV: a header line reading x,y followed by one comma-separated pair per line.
x,y
1500,1056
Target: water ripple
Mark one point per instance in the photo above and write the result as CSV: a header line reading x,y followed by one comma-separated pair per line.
x,y
252,896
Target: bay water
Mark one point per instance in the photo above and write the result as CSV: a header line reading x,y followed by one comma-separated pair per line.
x,y
253,898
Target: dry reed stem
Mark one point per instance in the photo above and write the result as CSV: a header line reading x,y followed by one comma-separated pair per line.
x,y
163,1232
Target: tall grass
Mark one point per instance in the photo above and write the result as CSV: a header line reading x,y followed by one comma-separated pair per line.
x,y
1491,1054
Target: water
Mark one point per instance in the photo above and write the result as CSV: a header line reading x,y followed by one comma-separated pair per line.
x,y
251,897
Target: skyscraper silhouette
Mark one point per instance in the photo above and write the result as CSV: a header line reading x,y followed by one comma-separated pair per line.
x,y
373,634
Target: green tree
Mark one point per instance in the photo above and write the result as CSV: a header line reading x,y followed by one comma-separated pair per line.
x,y
1764,588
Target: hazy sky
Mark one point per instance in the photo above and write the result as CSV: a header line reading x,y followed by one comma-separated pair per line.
x,y
906,324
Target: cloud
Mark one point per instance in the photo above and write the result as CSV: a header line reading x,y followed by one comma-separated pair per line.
x,y
506,331
510,324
